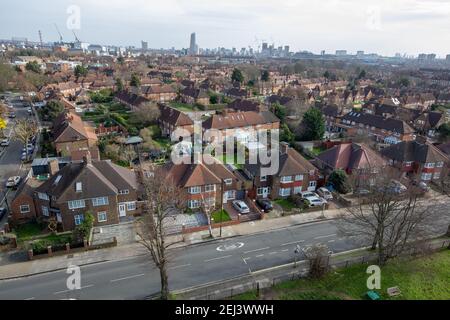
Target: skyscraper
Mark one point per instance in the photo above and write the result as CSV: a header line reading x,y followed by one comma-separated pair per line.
x,y
144,45
193,49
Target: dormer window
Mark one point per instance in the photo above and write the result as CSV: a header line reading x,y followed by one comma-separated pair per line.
x,y
78,187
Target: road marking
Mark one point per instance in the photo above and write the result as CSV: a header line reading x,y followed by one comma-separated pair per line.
x,y
245,260
293,242
32,298
284,250
224,257
245,252
181,266
260,255
274,252
327,236
130,277
332,240
65,291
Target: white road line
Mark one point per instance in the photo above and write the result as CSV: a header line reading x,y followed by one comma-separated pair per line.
x,y
245,260
65,291
32,298
327,236
181,266
130,277
332,240
260,255
245,252
274,252
224,257
293,242
284,250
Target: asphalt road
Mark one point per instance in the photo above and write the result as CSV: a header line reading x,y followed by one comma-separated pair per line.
x,y
10,163
136,278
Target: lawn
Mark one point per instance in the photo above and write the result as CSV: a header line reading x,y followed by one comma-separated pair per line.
x,y
286,204
26,231
223,158
425,278
317,150
217,215
182,106
163,143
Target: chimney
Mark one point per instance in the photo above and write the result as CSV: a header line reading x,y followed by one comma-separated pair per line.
x,y
87,158
284,146
53,166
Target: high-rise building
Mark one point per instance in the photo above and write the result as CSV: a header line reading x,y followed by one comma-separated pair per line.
x,y
360,53
144,45
193,48
448,57
286,49
341,52
322,53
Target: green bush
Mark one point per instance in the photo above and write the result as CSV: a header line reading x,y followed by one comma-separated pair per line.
x,y
82,231
340,181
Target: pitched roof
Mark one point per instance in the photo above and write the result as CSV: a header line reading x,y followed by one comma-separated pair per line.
x,y
69,127
414,151
173,116
351,156
239,120
389,124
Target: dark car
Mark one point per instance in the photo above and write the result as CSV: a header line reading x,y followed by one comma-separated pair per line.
x,y
2,212
264,204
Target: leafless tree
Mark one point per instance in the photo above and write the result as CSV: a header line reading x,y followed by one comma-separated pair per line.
x,y
24,130
162,198
318,256
208,209
147,112
390,218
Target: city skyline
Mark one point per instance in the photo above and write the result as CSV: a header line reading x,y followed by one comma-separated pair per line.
x,y
361,25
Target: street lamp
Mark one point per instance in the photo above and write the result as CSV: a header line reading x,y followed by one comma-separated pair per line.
x,y
221,207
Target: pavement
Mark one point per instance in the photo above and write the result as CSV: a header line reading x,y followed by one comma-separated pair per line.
x,y
127,272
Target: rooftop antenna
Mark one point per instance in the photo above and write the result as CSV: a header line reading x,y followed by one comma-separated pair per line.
x,y
60,35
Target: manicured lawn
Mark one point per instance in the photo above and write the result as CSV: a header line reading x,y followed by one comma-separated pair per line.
x,y
425,278
182,106
217,215
233,161
286,204
27,231
317,150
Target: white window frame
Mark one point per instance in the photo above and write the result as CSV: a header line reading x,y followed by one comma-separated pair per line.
x,y
76,204
312,183
297,190
440,164
194,204
100,201
45,211
131,206
426,176
79,187
437,175
27,210
210,188
429,165
409,163
194,190
285,192
102,213
125,191
228,181
78,218
263,178
299,177
286,179
43,196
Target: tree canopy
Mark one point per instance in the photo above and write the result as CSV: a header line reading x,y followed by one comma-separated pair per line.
x,y
237,76
313,125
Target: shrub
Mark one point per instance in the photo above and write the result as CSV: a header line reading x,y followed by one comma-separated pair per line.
x,y
82,231
340,181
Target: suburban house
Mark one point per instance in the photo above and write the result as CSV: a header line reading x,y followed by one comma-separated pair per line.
x,y
191,95
206,182
71,134
294,175
356,159
382,129
241,125
131,100
162,93
23,207
171,119
246,105
428,123
102,188
418,159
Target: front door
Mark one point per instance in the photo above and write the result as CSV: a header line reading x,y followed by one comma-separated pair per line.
x,y
265,192
122,210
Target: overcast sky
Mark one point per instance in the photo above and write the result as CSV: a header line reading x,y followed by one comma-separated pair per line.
x,y
382,26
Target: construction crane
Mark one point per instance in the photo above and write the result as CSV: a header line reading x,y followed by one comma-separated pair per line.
x,y
76,38
60,35
40,39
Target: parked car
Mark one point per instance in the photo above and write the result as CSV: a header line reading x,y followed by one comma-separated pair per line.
x,y
241,207
30,111
264,204
325,193
2,212
12,115
13,181
316,201
4,142
422,186
362,192
306,194
29,148
396,187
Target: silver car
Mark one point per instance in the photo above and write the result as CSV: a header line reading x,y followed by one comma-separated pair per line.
x,y
241,206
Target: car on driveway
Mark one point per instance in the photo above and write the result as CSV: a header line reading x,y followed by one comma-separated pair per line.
x,y
13,182
396,187
241,206
12,115
325,193
30,111
306,194
264,204
316,201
